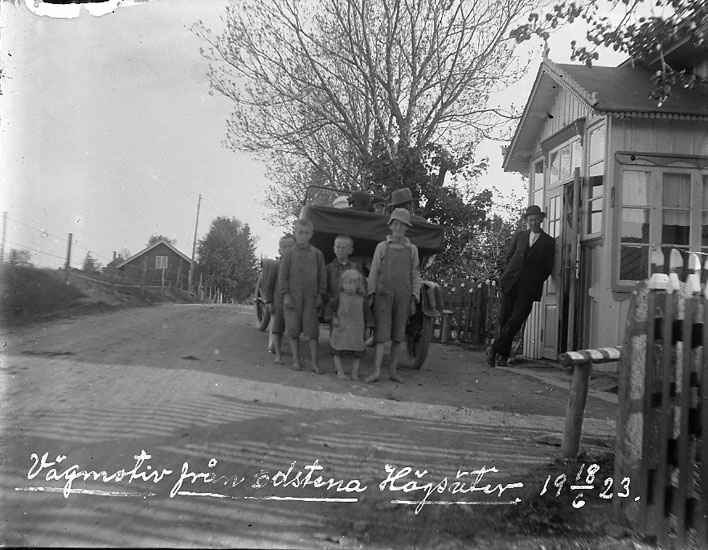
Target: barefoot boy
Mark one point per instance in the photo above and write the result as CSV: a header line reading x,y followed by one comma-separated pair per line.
x,y
303,285
274,299
394,287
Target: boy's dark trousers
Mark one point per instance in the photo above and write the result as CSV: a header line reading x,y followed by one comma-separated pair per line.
x,y
515,308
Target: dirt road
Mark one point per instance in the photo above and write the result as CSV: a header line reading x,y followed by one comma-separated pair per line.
x,y
172,426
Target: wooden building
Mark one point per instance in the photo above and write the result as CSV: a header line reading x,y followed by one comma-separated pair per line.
x,y
619,176
160,264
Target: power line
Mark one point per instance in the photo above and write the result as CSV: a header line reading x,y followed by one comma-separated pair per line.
x,y
22,247
45,233
42,231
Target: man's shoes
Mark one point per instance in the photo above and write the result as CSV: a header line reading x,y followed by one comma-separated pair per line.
x,y
502,362
491,357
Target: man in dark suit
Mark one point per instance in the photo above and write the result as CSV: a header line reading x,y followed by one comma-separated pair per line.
x,y
529,263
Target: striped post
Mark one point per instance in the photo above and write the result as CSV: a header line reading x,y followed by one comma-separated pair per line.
x,y
581,361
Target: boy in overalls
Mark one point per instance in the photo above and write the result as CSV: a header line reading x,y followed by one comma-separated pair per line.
x,y
303,285
394,289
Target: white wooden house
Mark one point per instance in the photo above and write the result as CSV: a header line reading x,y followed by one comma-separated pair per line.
x,y
618,176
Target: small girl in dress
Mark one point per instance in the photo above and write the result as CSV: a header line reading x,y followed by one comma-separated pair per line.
x,y
352,322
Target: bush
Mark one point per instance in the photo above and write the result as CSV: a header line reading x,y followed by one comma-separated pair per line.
x,y
28,291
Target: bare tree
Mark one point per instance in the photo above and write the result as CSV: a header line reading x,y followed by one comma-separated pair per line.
x,y
331,87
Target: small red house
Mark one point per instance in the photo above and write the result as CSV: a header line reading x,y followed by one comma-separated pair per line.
x,y
160,264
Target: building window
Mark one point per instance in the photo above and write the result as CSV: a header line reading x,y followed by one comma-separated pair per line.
x,y
597,145
595,185
161,262
594,210
655,213
537,193
634,226
562,162
554,216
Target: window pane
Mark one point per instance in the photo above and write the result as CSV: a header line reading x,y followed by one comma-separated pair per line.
x,y
595,187
538,176
554,170
635,225
677,190
675,227
565,170
553,228
634,262
597,144
577,154
595,216
635,188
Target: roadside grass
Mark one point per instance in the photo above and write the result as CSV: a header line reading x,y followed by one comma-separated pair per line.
x,y
29,294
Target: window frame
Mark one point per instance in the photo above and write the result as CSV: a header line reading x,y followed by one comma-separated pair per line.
x,y
595,168
566,149
656,172
161,257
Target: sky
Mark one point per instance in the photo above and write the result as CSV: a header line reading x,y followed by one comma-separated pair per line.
x,y
108,131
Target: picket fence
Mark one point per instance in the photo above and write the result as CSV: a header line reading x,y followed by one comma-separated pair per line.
x,y
469,313
662,429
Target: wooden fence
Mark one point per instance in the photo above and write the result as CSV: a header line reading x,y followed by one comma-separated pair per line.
x,y
662,429
469,313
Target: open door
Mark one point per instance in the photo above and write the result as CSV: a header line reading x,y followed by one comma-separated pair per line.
x,y
551,301
559,305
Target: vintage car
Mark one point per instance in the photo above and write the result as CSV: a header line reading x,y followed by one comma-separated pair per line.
x,y
367,229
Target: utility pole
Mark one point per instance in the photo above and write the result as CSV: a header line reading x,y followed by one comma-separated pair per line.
x,y
67,266
4,225
194,247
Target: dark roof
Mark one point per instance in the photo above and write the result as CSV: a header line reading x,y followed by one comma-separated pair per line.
x,y
153,245
616,91
626,89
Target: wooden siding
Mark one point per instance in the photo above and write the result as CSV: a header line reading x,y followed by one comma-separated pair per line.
x,y
641,135
566,109
646,135
175,275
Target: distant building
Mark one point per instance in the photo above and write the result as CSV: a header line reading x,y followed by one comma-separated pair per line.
x,y
160,263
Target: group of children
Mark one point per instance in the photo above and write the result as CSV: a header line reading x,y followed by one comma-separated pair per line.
x,y
361,313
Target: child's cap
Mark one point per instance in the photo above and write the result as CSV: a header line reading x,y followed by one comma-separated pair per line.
x,y
402,215
341,202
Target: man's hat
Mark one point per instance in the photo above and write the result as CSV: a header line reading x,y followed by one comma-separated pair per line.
x,y
401,196
360,200
402,215
533,210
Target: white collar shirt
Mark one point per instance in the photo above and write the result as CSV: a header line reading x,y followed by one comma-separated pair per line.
x,y
532,238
